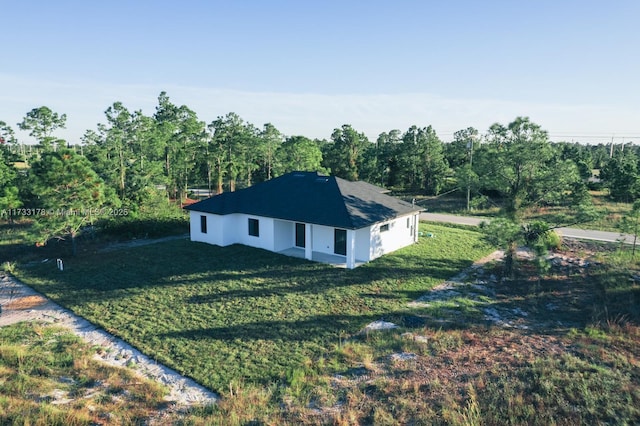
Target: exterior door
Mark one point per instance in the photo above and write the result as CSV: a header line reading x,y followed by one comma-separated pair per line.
x,y
340,241
300,235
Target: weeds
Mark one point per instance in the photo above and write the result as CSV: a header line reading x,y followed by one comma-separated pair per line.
x,y
8,267
42,365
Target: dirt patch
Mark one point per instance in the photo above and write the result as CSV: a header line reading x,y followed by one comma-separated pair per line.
x,y
26,302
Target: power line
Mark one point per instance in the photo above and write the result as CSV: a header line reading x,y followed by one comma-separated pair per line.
x,y
578,136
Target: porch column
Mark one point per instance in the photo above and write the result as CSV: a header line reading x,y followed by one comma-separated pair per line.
x,y
351,249
308,241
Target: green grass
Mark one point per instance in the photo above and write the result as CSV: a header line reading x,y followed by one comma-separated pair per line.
x,y
12,240
231,314
279,337
48,377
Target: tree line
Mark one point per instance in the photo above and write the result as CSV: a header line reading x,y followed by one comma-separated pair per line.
x,y
131,159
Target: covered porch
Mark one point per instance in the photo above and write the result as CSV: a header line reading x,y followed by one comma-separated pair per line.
x,y
318,243
316,256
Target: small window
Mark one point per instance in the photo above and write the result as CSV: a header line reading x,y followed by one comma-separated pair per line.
x,y
408,222
254,227
203,224
384,228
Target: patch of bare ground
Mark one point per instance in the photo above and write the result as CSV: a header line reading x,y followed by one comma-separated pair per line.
x,y
433,377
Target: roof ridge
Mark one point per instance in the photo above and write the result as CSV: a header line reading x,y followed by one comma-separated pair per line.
x,y
336,179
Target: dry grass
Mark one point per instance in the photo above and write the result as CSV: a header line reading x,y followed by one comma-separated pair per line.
x,y
48,377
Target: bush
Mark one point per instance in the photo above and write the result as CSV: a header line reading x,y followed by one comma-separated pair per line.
x,y
143,227
552,240
156,217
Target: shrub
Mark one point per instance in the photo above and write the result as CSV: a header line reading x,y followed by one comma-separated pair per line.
x,y
143,227
552,240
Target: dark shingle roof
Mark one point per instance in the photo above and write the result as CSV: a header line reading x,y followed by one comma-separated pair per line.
x,y
311,198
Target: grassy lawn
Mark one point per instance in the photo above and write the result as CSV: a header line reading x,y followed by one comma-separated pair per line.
x,y
238,314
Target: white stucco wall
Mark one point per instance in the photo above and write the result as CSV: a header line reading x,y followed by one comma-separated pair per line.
x,y
284,234
277,235
239,231
399,235
214,233
224,230
363,244
323,239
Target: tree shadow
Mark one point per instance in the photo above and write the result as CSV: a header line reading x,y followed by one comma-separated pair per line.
x,y
366,212
566,298
312,328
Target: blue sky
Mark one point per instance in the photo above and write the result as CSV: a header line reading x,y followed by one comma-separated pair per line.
x,y
310,66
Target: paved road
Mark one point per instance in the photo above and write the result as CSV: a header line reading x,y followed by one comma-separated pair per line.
x,y
583,234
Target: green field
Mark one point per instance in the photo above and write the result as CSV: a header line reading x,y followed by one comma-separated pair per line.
x,y
279,338
238,313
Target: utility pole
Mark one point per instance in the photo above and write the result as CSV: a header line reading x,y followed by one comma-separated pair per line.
x,y
611,150
470,148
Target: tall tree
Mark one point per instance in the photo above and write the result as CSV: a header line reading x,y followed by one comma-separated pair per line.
x,y
459,155
299,153
579,154
9,142
116,142
124,155
519,163
387,164
179,131
251,150
620,175
69,191
233,139
9,197
214,155
630,224
271,139
422,159
41,123
464,142
599,155
344,156
7,135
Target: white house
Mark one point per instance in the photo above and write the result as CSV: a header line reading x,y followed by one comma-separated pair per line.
x,y
304,214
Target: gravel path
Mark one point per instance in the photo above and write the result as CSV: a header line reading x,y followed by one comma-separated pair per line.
x,y
21,303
